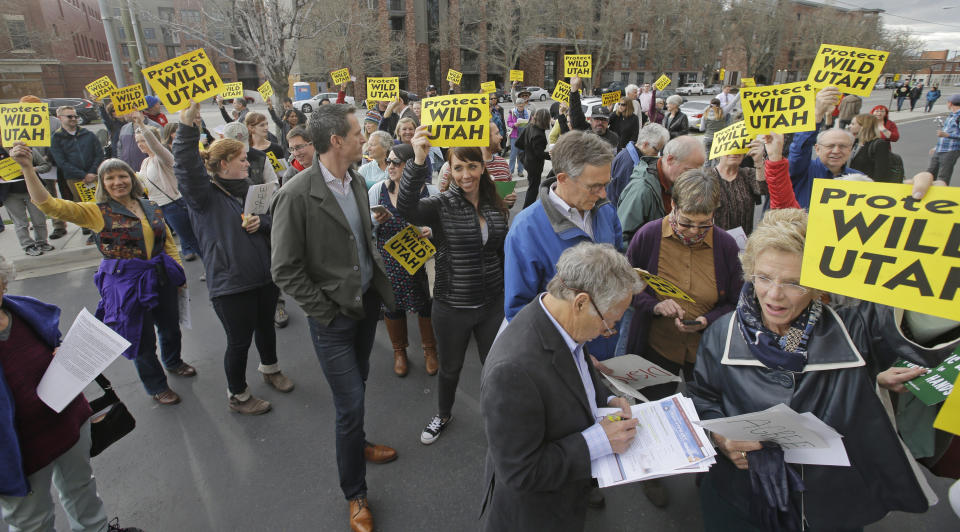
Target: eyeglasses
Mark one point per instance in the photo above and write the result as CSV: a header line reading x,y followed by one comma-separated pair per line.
x,y
299,147
595,189
692,226
766,283
64,117
394,162
610,331
841,147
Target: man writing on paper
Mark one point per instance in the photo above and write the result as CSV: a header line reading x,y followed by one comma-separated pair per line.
x,y
539,396
833,147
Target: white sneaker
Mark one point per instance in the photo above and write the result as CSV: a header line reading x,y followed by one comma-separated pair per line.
x,y
433,429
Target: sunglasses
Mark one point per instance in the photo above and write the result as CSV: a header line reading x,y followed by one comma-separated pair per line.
x,y
394,162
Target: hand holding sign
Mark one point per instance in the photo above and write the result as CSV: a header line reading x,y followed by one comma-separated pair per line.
x,y
22,155
458,119
340,76
190,76
855,70
827,99
25,122
189,115
421,144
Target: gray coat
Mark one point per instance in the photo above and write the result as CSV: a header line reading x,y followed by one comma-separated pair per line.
x,y
314,251
534,408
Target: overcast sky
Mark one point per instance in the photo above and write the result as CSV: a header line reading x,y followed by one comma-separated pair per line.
x,y
941,31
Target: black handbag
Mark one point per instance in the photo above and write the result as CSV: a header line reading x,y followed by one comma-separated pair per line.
x,y
111,420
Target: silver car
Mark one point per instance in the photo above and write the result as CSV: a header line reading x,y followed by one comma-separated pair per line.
x,y
538,93
694,112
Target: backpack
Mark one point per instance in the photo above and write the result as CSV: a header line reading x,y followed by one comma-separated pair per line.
x,y
895,169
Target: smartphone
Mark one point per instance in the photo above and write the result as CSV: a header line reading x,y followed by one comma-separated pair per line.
x,y
379,209
690,323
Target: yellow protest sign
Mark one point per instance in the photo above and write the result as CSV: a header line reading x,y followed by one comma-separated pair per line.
x,y
948,420
896,77
730,140
662,286
748,82
874,241
561,92
128,99
516,75
454,77
266,91
9,169
101,87
723,75
662,82
784,108
383,89
340,76
25,122
852,70
410,249
371,103
277,165
190,76
86,191
488,87
232,90
580,65
610,98
458,119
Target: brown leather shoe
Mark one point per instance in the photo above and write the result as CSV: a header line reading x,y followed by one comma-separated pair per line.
x,y
167,397
279,381
253,406
361,519
397,330
429,346
184,370
379,454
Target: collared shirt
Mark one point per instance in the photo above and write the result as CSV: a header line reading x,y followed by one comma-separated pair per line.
x,y
584,221
725,98
337,185
596,438
646,99
343,193
952,127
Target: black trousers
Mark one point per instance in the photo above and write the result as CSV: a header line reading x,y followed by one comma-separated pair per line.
x,y
247,316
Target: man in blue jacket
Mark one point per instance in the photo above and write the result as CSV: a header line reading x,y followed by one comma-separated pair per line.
x,y
833,148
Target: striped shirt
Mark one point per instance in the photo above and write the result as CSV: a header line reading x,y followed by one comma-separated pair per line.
x,y
497,167
952,127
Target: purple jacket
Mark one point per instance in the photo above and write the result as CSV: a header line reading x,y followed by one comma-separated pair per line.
x,y
130,287
644,252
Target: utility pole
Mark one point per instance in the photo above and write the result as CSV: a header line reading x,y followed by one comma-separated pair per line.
x,y
131,46
138,38
112,43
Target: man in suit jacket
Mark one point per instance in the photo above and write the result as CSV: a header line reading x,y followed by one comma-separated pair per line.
x,y
539,396
337,276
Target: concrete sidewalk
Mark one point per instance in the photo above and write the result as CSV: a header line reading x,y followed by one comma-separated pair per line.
x,y
72,252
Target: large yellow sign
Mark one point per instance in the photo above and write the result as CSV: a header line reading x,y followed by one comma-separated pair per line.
x,y
383,89
454,77
9,169
561,92
610,98
458,119
25,122
784,108
748,82
516,75
340,76
662,82
488,87
190,76
266,91
852,70
730,140
101,87
128,99
232,90
580,65
410,249
86,191
873,241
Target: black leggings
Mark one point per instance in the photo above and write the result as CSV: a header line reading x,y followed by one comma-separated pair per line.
x,y
245,316
452,327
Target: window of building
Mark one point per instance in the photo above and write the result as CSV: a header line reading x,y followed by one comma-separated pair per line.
x,y
190,17
17,30
225,67
153,51
171,51
642,41
625,77
627,40
150,33
396,23
683,61
550,70
625,63
125,52
397,5
640,78
122,33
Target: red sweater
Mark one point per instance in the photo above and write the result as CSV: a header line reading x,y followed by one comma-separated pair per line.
x,y
44,434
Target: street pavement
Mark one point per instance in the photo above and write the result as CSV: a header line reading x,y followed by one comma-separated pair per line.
x,y
197,466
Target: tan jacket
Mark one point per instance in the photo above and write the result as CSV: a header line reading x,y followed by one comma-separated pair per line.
x,y
314,253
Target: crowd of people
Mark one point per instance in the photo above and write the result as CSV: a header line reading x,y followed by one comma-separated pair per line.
x,y
547,290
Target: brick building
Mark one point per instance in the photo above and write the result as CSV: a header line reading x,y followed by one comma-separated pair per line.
x,y
51,48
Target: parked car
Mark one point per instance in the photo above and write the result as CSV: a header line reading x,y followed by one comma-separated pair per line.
x,y
86,110
690,89
590,105
614,86
666,93
502,95
880,85
713,89
538,93
694,112
307,106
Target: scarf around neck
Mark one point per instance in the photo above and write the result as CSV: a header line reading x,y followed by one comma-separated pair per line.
x,y
787,352
236,187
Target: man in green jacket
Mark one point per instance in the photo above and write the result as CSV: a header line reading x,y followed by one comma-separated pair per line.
x,y
647,195
325,256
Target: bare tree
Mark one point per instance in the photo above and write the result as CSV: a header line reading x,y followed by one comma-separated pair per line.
x,y
756,29
511,28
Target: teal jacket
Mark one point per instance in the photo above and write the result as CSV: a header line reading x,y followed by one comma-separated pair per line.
x,y
642,200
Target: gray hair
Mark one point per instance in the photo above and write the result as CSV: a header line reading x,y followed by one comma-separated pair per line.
x,y
675,99
576,149
386,141
597,269
697,191
541,118
653,134
683,147
136,187
8,271
520,101
329,120
63,108
630,87
837,129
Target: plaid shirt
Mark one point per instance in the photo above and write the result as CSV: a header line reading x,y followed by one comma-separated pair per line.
x,y
952,127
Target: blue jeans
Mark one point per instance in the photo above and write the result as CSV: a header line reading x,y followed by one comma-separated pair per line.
x,y
343,349
624,329
900,102
514,161
175,213
166,317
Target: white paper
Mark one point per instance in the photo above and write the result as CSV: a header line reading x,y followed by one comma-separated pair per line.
x,y
183,306
668,442
87,349
638,372
626,390
834,455
779,424
258,198
49,175
740,236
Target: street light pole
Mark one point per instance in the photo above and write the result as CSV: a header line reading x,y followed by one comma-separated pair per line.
x,y
135,26
111,43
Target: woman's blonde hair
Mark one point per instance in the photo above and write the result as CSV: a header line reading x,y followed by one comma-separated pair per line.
x,y
626,106
400,123
869,125
783,230
136,187
221,150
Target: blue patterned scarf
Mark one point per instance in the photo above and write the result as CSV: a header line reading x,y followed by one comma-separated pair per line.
x,y
787,352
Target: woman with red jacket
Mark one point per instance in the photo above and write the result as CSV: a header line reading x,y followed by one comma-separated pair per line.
x,y
888,130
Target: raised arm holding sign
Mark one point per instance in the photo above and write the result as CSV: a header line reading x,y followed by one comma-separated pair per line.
x,y
25,122
190,76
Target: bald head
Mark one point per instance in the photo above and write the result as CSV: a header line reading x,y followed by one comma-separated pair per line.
x,y
681,154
